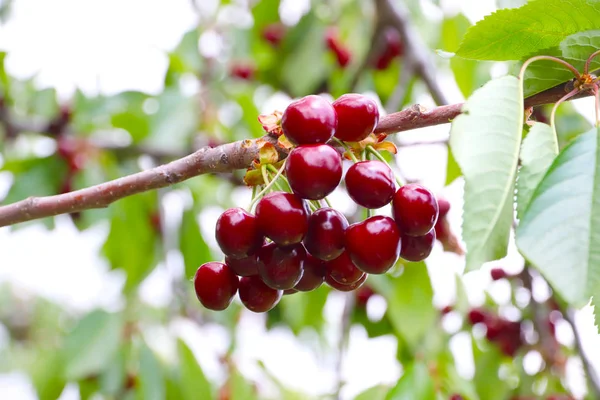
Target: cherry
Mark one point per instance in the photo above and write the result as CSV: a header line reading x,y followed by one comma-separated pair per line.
x,y
343,55
309,120
314,170
363,295
345,288
273,33
444,207
237,233
325,235
456,397
343,270
498,273
417,248
256,296
282,217
415,210
314,273
373,244
446,310
370,184
476,316
393,48
243,71
281,267
246,266
357,117
287,292
215,285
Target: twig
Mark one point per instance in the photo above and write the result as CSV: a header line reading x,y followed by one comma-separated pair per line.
x,y
593,379
406,74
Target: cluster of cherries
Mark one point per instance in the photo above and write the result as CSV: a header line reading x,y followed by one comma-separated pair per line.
x,y
506,334
285,247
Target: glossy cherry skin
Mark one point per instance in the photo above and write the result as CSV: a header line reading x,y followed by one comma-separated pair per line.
x,y
417,248
314,273
370,184
237,233
498,273
314,170
345,288
415,210
326,233
357,116
246,266
343,270
309,120
282,217
443,207
256,296
281,267
215,285
373,244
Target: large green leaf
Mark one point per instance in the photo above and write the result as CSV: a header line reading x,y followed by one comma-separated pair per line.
x,y
560,231
92,345
485,141
489,385
194,384
152,381
539,149
375,393
416,383
47,374
194,249
511,34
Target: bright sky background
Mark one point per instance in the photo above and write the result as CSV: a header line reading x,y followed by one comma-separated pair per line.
x,y
109,46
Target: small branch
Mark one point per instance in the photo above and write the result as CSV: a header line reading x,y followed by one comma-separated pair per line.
x,y
406,74
593,379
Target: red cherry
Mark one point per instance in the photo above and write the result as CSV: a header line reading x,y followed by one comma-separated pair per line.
x,y
326,232
282,217
415,210
498,273
314,170
343,270
345,288
343,56
373,244
237,233
314,273
444,207
287,292
310,120
370,184
281,267
446,310
256,296
273,33
215,285
393,41
456,397
383,61
363,295
357,117
417,248
246,266
476,316
243,71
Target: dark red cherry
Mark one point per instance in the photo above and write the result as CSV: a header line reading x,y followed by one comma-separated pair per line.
x,y
309,120
393,42
215,285
373,244
498,273
476,316
274,33
417,248
281,267
314,170
243,71
363,295
256,295
370,184
287,292
325,235
342,53
343,270
246,266
282,217
415,210
314,273
357,117
443,206
237,233
345,288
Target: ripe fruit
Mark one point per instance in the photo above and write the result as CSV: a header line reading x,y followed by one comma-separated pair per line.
x,y
215,285
246,266
393,48
342,54
343,270
363,295
314,273
281,267
242,71
477,316
257,296
273,33
444,206
282,217
373,244
417,248
325,235
370,184
345,288
357,117
237,233
314,170
498,273
456,397
415,210
446,310
310,120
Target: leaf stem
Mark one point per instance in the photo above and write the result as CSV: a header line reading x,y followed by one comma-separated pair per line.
x,y
586,69
547,58
597,102
559,102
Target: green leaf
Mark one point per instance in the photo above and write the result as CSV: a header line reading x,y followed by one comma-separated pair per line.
x,y
241,389
409,300
485,141
489,385
152,382
47,374
512,34
539,149
193,248
194,384
91,346
452,168
416,383
304,310
596,305
375,393
34,177
560,231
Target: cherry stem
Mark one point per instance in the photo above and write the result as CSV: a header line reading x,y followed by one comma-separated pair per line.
x,y
327,202
586,69
369,213
561,100
269,184
548,58
254,192
282,177
597,101
373,151
347,148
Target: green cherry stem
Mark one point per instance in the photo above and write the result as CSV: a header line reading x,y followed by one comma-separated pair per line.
x,y
254,192
269,184
586,69
347,148
282,177
378,155
327,202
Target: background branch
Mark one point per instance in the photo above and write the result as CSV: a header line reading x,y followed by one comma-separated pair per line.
x,y
593,379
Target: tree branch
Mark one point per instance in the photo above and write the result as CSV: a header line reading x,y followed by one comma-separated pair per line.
x,y
593,379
